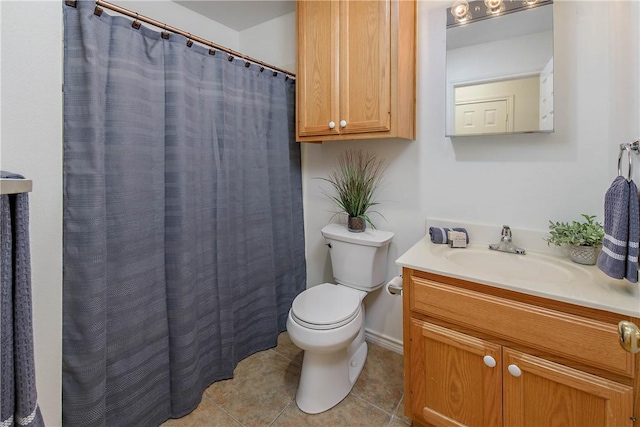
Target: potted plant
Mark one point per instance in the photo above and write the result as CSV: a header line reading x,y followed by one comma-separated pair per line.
x,y
355,182
582,238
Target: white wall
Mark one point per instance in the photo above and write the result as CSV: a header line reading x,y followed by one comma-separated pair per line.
x,y
273,42
31,144
520,180
502,58
185,19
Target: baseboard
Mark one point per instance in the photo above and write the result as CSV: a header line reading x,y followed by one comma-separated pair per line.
x,y
383,341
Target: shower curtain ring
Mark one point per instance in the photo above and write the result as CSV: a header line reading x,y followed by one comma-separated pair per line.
x,y
164,34
189,41
136,24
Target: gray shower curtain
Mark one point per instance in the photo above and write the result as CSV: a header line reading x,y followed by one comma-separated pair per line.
x,y
183,231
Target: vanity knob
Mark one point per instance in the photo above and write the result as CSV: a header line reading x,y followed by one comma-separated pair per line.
x,y
343,123
629,336
514,370
332,125
489,361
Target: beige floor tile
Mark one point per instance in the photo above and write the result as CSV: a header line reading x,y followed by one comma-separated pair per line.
x,y
207,414
399,413
381,381
396,422
288,349
263,385
351,412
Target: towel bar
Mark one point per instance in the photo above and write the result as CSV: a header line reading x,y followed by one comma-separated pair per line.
x,y
629,147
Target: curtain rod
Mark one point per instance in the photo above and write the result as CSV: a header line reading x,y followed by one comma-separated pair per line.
x,y
190,37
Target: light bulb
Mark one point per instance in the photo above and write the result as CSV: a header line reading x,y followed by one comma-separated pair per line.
x,y
494,6
460,10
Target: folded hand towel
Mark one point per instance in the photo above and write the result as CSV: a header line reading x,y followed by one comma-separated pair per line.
x,y
11,175
619,255
439,234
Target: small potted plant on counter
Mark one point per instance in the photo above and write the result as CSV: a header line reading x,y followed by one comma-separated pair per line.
x,y
355,183
582,238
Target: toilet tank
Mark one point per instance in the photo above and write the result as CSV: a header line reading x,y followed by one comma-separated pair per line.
x,y
359,260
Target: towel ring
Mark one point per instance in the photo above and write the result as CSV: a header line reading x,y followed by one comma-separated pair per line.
x,y
630,172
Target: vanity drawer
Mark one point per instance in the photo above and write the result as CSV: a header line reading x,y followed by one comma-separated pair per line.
x,y
574,337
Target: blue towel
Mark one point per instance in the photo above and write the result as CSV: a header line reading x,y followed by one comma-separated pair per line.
x,y
619,255
19,402
439,235
11,175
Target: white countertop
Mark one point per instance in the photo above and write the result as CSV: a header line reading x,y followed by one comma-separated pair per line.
x,y
541,274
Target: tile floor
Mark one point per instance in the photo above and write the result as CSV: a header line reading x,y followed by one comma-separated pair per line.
x,y
262,393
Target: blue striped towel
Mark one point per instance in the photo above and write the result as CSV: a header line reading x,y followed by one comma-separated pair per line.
x,y
634,234
619,255
440,235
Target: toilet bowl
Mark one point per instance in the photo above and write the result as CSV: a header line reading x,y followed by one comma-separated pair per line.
x,y
327,320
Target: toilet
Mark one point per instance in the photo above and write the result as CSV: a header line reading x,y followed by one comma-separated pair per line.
x,y
327,320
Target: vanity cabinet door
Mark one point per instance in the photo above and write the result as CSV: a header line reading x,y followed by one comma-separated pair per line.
x,y
456,379
538,392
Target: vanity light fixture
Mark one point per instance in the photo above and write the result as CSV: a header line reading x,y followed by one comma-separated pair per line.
x,y
460,10
464,12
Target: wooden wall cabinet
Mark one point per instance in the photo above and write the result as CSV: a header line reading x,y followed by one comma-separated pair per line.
x,y
356,70
482,356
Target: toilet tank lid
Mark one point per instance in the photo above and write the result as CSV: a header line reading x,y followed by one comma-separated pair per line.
x,y
370,237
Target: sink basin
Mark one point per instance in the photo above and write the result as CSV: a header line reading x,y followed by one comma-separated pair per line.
x,y
530,267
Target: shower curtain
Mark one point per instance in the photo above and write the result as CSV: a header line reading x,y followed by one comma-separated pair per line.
x,y
183,230
18,396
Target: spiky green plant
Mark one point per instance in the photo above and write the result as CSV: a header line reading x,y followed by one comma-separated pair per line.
x,y
355,182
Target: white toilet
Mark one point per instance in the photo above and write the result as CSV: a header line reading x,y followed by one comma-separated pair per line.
x,y
327,320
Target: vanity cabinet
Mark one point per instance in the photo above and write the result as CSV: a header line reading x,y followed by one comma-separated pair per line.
x,y
482,356
355,69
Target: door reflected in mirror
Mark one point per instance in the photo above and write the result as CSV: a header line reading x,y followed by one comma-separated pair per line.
x,y
500,68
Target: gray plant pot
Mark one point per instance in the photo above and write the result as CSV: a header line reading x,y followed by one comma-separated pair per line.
x,y
356,225
583,254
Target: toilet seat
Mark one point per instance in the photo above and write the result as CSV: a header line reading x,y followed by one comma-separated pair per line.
x,y
326,306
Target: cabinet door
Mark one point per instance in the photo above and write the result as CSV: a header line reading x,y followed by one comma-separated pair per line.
x,y
317,69
548,394
365,66
451,383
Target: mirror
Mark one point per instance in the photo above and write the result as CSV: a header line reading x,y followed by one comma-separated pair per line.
x,y
500,69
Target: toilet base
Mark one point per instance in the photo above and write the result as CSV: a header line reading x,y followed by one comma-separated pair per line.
x,y
327,378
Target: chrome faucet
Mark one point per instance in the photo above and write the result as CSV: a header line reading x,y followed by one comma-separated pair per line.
x,y
505,244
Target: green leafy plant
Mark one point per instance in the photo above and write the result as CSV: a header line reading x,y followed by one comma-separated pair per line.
x,y
355,182
588,233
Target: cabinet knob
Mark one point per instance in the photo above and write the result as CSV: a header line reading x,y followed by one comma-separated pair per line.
x,y
514,370
343,123
489,361
629,336
332,125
